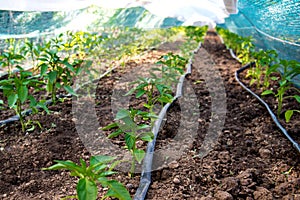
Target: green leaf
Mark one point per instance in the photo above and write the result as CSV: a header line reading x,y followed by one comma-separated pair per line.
x,y
107,173
130,92
33,101
94,160
164,99
52,76
288,114
267,92
43,105
147,105
22,93
70,90
58,85
151,115
297,97
122,113
160,88
274,78
56,167
116,189
130,141
110,126
30,129
142,126
7,89
139,155
147,136
12,99
69,66
69,165
115,133
140,93
143,85
18,57
43,69
86,189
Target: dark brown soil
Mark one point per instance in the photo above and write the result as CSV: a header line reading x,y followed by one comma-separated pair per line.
x,y
246,158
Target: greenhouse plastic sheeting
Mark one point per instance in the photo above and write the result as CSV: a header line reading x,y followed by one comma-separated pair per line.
x,y
33,17
274,24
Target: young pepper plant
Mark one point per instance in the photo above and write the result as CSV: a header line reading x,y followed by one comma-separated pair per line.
x,y
126,123
9,59
16,90
150,87
290,70
260,72
89,176
58,73
172,66
33,50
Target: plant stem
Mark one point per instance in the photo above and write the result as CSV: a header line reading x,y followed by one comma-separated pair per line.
x,y
19,113
280,99
53,94
132,168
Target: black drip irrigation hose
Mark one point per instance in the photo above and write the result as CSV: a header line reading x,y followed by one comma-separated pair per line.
x,y
145,180
284,131
273,116
29,111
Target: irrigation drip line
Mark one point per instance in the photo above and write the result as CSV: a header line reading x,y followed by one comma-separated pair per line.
x,y
284,131
29,111
273,116
145,180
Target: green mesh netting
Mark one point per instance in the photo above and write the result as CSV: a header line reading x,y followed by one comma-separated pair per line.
x,y
274,24
30,24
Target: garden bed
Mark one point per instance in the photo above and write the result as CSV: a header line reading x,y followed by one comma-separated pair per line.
x,y
250,159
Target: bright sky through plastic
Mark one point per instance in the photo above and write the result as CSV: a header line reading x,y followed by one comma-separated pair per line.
x,y
191,12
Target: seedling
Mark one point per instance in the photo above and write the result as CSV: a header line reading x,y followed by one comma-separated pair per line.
x,y
172,66
96,173
260,73
33,50
290,70
11,56
133,131
57,72
16,90
9,59
148,87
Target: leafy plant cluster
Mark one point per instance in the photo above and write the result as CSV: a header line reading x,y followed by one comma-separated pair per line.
x,y
126,42
267,68
55,63
242,46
